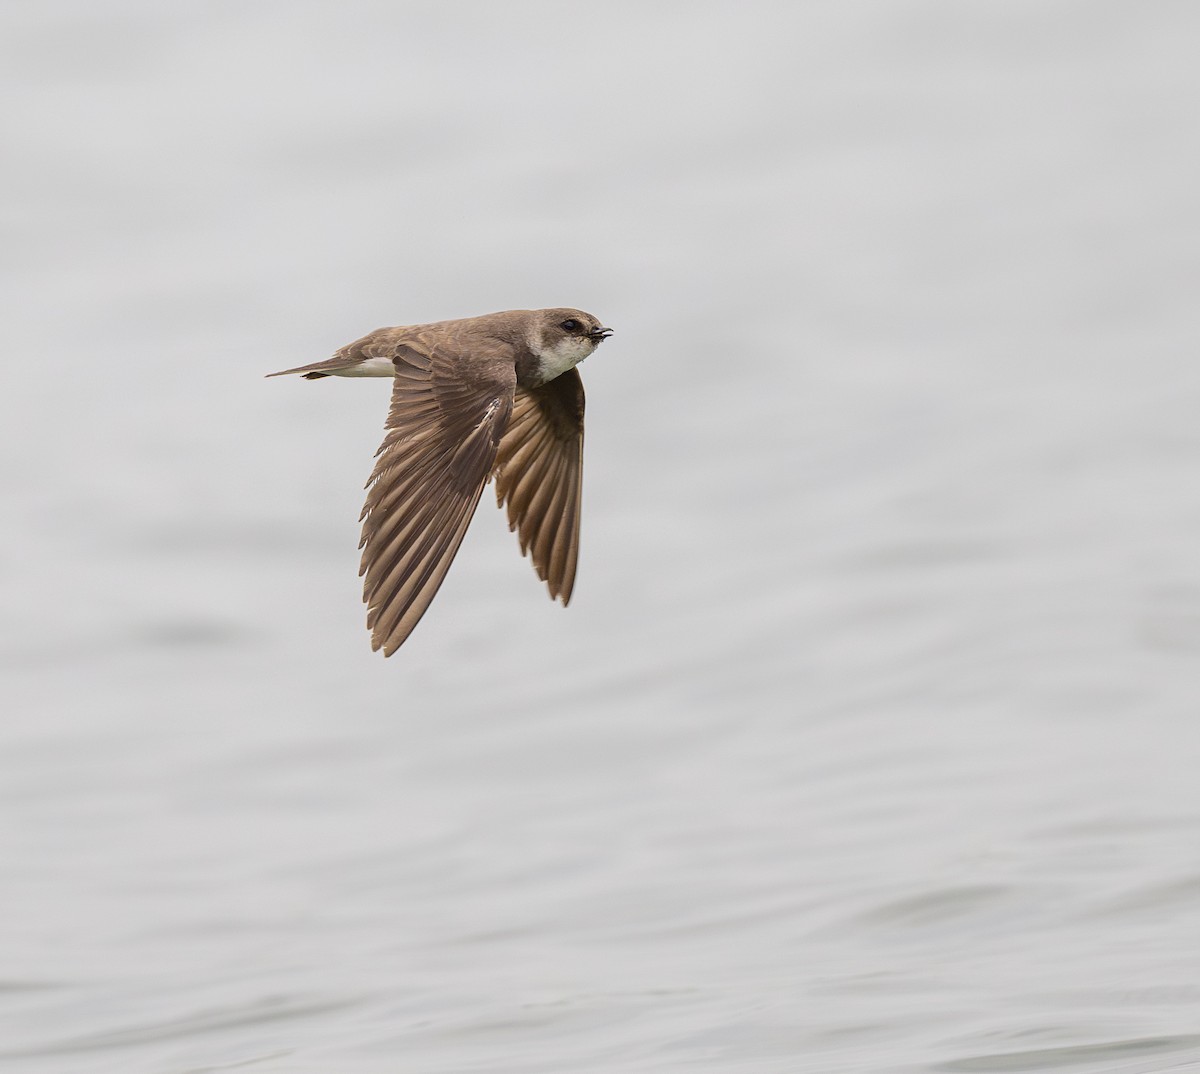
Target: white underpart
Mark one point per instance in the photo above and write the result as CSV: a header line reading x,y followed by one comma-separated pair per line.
x,y
566,354
370,367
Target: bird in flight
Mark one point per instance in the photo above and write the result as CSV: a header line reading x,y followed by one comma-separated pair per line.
x,y
472,399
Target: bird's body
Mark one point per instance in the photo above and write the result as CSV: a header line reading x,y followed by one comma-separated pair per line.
x,y
497,395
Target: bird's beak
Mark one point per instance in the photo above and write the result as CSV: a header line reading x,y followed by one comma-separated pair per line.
x,y
599,334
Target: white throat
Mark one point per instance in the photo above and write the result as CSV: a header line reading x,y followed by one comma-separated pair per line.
x,y
566,354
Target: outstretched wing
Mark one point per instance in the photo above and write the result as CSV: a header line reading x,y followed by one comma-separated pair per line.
x,y
447,416
540,474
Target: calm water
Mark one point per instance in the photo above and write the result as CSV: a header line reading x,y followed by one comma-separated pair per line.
x,y
870,740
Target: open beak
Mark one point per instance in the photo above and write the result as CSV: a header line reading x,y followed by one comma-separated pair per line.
x,y
599,334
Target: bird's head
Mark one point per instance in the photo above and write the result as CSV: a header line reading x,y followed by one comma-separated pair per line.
x,y
562,338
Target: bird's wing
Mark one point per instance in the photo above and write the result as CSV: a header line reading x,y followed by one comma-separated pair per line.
x,y
447,416
540,474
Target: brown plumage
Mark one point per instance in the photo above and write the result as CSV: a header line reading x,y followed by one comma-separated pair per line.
x,y
487,396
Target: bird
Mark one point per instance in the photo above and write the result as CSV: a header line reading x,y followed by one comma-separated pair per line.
x,y
496,396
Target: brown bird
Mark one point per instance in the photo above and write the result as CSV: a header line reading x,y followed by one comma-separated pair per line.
x,y
497,395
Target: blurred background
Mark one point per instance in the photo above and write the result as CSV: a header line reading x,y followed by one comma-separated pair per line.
x,y
869,741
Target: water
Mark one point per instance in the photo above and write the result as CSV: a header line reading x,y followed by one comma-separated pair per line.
x,y
869,741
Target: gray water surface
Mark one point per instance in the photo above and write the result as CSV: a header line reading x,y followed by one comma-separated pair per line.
x,y
870,739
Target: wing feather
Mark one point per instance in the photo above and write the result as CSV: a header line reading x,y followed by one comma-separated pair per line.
x,y
539,473
445,424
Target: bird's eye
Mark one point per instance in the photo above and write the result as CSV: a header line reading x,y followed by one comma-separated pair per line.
x,y
569,326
